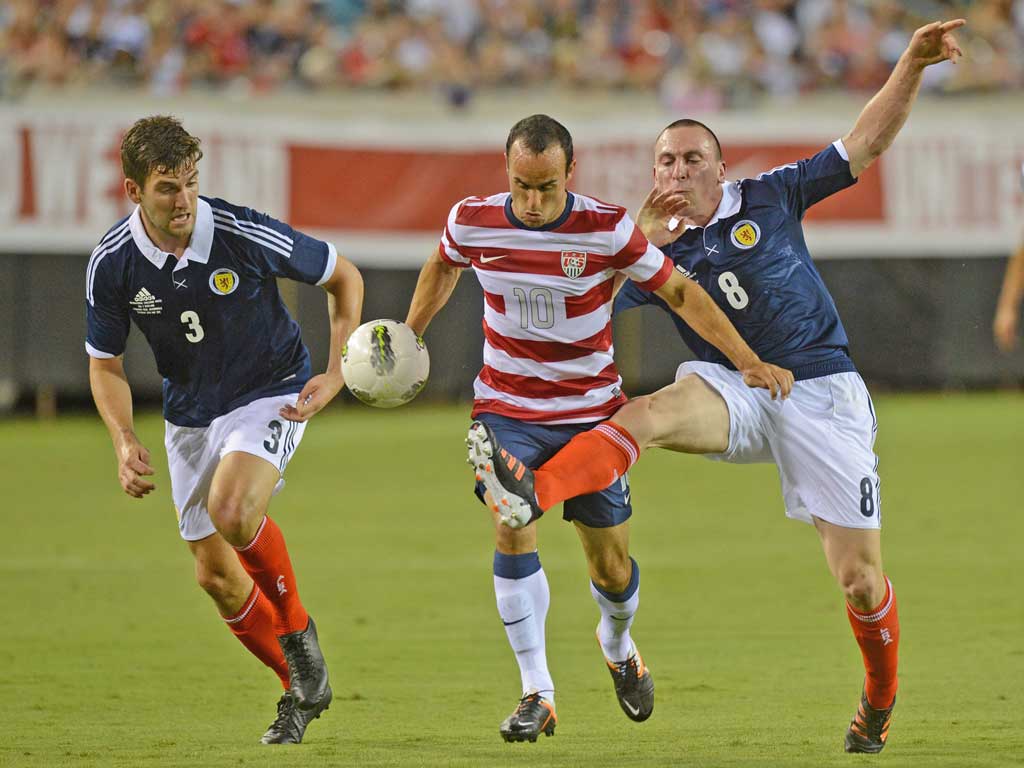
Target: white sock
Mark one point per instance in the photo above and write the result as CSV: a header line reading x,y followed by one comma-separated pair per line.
x,y
617,612
523,607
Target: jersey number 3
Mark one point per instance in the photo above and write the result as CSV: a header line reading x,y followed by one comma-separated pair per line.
x,y
733,291
195,332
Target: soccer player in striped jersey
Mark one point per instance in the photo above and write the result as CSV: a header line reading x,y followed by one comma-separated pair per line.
x,y
197,276
743,241
547,260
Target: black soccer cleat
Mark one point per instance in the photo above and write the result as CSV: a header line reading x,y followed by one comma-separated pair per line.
x,y
869,728
306,667
634,686
533,716
506,478
290,725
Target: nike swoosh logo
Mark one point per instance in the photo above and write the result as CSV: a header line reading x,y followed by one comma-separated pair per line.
x,y
631,708
489,259
510,623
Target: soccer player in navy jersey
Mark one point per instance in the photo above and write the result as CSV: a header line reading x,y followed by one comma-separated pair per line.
x,y
546,259
743,242
197,276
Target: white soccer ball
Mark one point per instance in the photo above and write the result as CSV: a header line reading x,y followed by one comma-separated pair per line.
x,y
384,364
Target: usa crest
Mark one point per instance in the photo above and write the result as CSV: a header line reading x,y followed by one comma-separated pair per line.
x,y
745,234
223,281
573,263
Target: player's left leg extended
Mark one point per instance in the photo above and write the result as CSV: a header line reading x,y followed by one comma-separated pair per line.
x,y
688,416
615,587
239,496
854,556
244,608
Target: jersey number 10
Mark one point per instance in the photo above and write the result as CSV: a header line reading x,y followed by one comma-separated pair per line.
x,y
536,310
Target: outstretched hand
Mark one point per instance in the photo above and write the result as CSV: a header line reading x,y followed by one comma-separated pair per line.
x,y
656,214
778,381
317,393
934,42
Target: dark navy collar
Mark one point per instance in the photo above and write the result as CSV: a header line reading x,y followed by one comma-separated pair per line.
x,y
515,222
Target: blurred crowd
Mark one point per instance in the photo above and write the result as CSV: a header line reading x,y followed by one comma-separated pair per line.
x,y
711,54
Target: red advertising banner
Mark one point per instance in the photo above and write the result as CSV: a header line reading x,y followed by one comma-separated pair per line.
x,y
383,199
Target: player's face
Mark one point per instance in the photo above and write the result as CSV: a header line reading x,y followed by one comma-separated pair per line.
x,y
537,183
168,201
686,161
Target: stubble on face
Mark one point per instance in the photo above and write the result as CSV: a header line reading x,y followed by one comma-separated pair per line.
x,y
170,200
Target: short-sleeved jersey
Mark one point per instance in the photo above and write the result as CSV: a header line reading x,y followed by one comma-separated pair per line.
x,y
221,335
548,353
752,259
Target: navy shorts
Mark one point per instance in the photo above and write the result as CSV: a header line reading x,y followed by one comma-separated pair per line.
x,y
534,444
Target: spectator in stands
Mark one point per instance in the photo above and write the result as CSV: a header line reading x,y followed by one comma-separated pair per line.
x,y
695,55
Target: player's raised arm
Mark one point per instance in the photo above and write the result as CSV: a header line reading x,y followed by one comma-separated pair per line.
x,y
692,303
433,289
885,114
345,307
113,398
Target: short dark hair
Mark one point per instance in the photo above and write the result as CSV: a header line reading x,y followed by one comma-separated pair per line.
x,y
688,123
158,143
537,133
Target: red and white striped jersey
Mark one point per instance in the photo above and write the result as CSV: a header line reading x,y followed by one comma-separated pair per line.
x,y
548,353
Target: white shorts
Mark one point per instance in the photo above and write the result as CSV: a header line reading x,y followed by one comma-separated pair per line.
x,y
821,438
193,454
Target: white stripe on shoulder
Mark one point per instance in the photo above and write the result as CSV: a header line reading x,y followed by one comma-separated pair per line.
x,y
271,233
217,224
332,260
776,169
97,257
112,234
584,203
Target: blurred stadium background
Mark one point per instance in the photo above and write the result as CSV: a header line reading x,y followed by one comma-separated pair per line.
x,y
362,121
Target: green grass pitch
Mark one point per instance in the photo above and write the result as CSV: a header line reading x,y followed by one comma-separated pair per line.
x,y
111,656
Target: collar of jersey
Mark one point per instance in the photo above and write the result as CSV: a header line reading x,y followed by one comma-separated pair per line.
x,y
198,247
515,222
732,199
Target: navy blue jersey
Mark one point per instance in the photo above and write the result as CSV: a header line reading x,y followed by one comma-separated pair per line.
x,y
221,335
752,260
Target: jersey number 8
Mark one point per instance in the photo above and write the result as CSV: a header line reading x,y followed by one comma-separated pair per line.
x,y
733,291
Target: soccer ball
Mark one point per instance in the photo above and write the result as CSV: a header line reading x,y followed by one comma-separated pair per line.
x,y
384,363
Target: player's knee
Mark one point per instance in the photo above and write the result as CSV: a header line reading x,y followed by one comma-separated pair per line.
x,y
862,585
638,418
511,541
233,516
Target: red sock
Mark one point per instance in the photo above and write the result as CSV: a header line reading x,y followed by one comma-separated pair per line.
x,y
588,463
265,558
878,635
254,627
